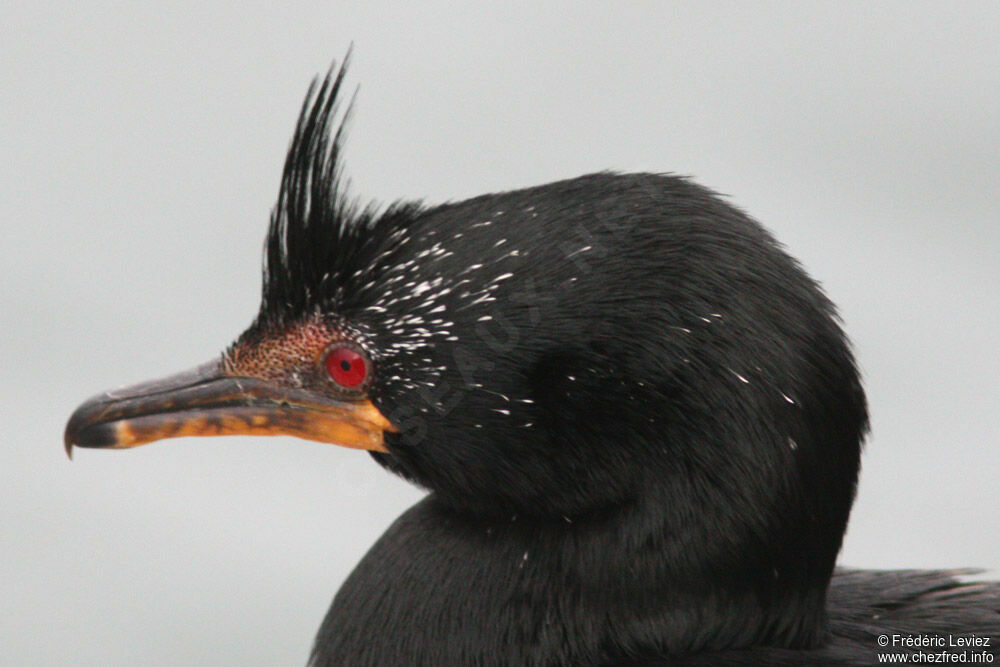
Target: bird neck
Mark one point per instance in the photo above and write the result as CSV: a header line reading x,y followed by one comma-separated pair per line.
x,y
588,589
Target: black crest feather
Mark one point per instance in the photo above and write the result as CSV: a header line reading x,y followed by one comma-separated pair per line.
x,y
320,241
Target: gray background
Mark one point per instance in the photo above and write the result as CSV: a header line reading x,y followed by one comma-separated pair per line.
x,y
141,154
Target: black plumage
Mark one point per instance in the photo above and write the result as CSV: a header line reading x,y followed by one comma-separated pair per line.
x,y
638,419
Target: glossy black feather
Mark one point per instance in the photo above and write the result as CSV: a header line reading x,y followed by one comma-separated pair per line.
x,y
639,420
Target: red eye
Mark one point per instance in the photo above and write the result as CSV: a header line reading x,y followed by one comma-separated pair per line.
x,y
347,367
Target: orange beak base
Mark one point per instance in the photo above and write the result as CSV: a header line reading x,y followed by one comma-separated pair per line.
x,y
205,401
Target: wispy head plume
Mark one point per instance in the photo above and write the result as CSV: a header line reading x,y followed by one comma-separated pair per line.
x,y
315,240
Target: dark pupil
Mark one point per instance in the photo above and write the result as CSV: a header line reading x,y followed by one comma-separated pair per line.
x,y
345,364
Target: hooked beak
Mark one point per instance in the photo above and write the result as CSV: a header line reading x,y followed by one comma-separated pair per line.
x,y
205,401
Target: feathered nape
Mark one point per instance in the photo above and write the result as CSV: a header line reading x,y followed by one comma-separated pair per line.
x,y
320,244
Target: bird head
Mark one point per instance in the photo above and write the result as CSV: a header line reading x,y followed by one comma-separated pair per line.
x,y
596,343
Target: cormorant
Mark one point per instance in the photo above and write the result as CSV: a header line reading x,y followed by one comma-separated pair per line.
x,y
638,420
